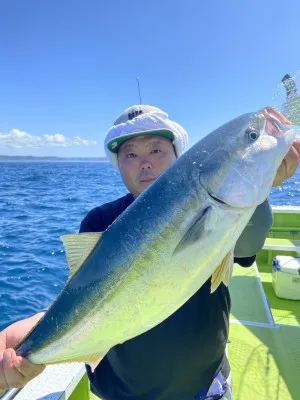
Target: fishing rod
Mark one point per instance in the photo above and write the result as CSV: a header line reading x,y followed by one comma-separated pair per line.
x,y
139,90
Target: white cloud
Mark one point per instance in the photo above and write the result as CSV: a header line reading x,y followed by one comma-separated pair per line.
x,y
16,139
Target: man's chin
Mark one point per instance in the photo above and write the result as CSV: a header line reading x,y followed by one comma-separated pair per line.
x,y
142,186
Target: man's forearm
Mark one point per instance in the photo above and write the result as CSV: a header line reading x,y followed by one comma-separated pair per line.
x,y
253,237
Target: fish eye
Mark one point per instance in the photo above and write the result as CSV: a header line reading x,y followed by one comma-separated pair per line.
x,y
252,134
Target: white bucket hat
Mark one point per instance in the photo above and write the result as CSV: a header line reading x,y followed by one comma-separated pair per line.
x,y
143,120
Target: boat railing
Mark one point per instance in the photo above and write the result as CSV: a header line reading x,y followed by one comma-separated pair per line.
x,y
56,382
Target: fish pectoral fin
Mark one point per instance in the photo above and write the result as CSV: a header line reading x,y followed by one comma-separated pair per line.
x,y
196,231
223,273
229,269
78,247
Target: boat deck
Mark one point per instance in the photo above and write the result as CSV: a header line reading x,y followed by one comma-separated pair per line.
x,y
264,348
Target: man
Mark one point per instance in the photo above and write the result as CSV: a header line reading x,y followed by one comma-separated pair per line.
x,y
183,358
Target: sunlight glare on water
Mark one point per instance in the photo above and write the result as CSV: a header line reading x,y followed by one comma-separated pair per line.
x,y
289,105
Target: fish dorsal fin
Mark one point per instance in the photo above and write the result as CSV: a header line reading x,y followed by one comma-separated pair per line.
x,y
196,231
78,247
223,272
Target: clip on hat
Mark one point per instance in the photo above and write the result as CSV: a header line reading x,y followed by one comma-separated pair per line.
x,y
143,120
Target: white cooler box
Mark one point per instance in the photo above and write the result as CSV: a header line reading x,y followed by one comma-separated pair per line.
x,y
286,277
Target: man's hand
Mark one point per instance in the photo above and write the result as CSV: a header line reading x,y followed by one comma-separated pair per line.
x,y
16,371
289,164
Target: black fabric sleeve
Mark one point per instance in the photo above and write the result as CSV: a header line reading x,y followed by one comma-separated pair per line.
x,y
245,261
253,237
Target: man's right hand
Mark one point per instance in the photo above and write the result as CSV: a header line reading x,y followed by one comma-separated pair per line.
x,y
16,371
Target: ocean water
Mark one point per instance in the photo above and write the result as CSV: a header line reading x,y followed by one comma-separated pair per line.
x,y
39,202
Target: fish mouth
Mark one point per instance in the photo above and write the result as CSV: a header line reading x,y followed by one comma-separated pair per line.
x,y
216,199
275,123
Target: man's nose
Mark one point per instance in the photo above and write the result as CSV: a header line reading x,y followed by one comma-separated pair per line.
x,y
146,164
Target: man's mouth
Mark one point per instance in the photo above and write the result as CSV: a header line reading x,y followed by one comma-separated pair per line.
x,y
147,179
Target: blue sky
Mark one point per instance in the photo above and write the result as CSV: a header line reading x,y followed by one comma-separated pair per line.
x,y
68,68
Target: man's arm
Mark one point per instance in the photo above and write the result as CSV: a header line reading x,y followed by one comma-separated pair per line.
x,y
289,164
253,237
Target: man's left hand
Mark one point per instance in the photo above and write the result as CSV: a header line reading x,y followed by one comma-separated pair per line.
x,y
289,164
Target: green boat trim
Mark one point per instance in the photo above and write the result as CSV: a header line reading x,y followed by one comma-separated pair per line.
x,y
264,338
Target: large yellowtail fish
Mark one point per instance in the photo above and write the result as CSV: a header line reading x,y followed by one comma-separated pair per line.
x,y
160,251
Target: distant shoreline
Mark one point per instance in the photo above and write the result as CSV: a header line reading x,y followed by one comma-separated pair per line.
x,y
51,159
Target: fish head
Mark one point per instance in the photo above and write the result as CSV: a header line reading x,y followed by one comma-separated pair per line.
x,y
241,158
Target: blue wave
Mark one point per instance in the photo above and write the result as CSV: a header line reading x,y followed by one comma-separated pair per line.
x,y
39,202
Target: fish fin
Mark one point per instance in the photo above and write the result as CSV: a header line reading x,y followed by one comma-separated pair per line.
x,y
229,269
223,272
78,247
196,230
94,360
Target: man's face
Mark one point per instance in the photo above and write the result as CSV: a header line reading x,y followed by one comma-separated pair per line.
x,y
142,159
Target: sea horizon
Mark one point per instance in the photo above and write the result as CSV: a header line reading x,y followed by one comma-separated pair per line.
x,y
5,158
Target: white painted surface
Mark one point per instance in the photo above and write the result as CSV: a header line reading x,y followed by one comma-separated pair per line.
x,y
280,247
56,382
286,209
264,297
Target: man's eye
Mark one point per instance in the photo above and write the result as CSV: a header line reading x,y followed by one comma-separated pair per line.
x,y
130,155
156,151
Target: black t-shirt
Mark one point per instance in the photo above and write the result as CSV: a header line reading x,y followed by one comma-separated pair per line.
x,y
174,360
